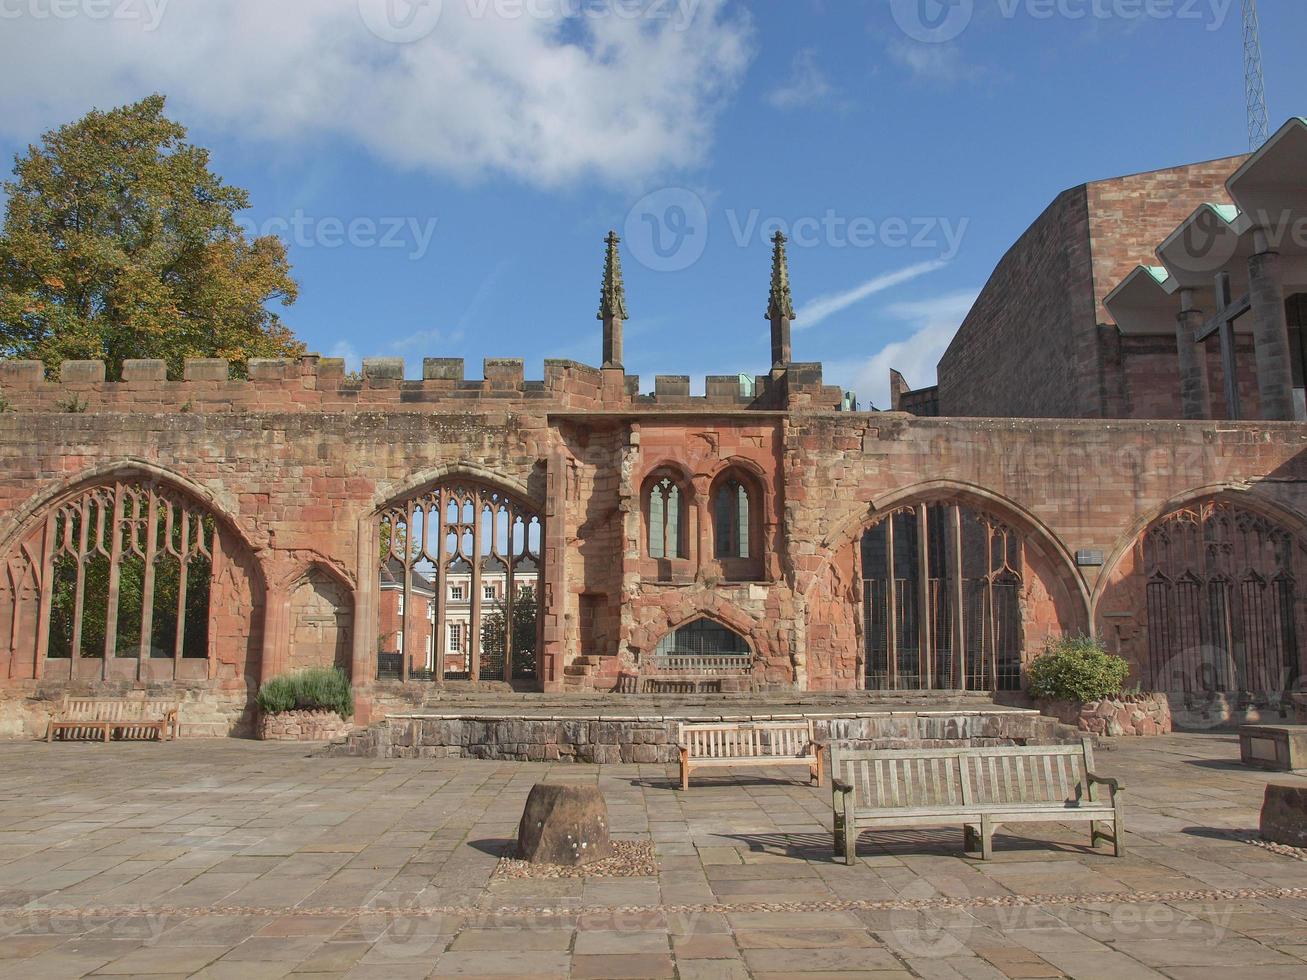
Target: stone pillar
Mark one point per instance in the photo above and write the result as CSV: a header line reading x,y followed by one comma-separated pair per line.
x,y
1195,390
612,342
1270,335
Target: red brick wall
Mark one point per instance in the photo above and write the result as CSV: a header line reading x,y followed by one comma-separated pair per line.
x,y
1038,343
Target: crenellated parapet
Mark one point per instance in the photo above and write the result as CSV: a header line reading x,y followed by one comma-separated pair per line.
x,y
314,383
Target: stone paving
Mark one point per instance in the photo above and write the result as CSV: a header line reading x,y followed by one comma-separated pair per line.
x,y
253,860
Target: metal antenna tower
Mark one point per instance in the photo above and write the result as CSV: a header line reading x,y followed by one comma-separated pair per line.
x,y
1254,81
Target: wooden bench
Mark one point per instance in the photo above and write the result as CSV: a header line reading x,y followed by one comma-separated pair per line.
x,y
752,743
104,716
979,788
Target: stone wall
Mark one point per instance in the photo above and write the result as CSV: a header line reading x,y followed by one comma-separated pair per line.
x,y
653,740
25,710
303,726
1127,714
296,493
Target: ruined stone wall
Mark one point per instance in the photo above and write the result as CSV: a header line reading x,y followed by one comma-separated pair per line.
x,y
1067,486
297,491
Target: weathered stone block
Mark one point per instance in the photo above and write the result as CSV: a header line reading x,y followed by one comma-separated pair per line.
x,y
268,368
564,823
1279,748
206,369
145,370
1284,815
504,370
21,374
442,369
383,370
672,387
81,372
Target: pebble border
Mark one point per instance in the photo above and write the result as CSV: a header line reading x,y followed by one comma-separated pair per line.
x,y
824,905
631,859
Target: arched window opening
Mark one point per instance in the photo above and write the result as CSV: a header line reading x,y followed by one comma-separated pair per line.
x,y
1221,588
941,587
119,572
459,580
668,510
704,644
731,516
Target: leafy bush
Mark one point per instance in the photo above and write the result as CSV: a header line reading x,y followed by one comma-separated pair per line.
x,y
315,689
1077,669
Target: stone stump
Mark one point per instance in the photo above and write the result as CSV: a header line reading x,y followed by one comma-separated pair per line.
x,y
564,823
1284,815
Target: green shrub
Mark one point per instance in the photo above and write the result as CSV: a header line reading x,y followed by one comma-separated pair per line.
x,y
1077,669
315,689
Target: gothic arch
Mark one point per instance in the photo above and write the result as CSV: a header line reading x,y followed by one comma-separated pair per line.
x,y
1238,494
408,596
1202,595
390,494
126,468
1061,562
866,626
193,613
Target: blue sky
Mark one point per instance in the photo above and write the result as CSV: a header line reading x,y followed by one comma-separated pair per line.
x,y
445,172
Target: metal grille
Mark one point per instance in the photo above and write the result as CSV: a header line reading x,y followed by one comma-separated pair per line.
x,y
940,581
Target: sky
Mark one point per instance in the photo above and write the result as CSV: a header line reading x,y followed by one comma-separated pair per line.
x,y
444,171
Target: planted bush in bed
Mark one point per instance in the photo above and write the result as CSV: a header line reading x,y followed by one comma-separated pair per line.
x,y
308,705
1080,683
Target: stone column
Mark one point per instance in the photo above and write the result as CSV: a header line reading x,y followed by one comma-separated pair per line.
x,y
1270,335
1195,390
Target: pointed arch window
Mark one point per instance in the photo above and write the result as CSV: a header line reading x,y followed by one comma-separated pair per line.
x,y
942,587
471,553
118,573
732,517
667,507
703,644
1222,601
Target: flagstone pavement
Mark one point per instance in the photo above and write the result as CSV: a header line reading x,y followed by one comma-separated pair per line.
x,y
249,860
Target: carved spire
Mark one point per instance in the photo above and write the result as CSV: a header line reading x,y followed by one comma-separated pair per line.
x,y
780,304
612,302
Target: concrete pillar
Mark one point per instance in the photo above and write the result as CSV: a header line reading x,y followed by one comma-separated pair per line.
x,y
1271,336
1195,389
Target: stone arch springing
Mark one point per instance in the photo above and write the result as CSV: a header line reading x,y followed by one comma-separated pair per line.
x,y
459,583
117,576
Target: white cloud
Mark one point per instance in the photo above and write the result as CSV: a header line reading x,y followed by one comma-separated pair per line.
x,y
807,85
426,342
939,63
933,323
826,306
496,87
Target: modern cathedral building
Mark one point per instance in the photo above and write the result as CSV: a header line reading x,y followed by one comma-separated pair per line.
x,y
1115,448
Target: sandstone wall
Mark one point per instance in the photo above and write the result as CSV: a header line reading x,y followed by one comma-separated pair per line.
x,y
297,490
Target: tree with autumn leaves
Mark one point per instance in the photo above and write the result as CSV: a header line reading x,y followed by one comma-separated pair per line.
x,y
119,242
